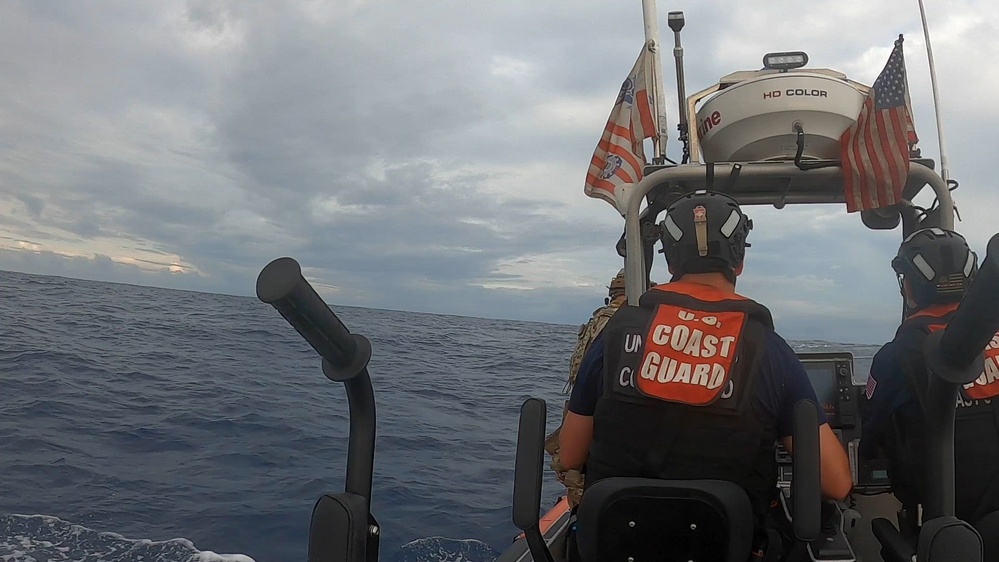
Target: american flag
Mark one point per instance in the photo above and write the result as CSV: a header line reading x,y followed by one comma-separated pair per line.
x,y
875,149
620,156
871,386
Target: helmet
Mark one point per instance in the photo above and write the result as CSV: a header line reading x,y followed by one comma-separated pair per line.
x,y
705,232
937,263
616,286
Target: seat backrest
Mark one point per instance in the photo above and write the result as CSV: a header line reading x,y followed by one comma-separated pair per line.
x,y
647,519
948,539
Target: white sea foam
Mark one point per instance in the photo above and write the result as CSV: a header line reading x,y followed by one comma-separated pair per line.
x,y
43,538
441,549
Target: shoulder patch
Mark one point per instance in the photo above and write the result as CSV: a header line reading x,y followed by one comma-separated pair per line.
x,y
986,386
872,385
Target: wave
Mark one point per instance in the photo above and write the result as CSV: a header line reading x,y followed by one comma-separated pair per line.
x,y
441,549
36,538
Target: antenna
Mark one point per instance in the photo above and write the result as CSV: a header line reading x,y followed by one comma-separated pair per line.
x,y
944,170
675,20
658,101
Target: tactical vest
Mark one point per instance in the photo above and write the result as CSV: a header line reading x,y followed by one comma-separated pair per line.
x,y
679,376
573,479
587,333
976,420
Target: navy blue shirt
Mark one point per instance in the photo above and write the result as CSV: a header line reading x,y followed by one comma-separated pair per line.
x,y
784,383
888,392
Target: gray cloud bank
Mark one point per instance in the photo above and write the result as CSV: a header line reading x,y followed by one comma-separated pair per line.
x,y
421,156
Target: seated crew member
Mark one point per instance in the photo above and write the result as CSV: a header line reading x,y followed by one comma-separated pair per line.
x,y
664,396
572,479
935,268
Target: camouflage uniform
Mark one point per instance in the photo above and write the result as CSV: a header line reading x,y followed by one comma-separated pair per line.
x,y
573,479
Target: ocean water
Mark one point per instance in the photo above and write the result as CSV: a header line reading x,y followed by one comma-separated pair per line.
x,y
144,424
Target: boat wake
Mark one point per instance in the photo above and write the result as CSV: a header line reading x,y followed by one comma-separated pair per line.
x,y
440,549
42,538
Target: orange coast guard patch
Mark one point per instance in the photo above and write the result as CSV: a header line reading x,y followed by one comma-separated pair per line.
x,y
987,385
687,355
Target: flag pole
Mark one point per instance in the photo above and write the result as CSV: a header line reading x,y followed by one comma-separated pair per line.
x,y
658,100
944,170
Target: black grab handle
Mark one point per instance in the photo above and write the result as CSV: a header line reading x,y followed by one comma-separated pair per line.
x,y
528,470
892,541
282,286
806,466
343,528
977,318
345,359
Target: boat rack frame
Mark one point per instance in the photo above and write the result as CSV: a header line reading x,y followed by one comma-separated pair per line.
x,y
776,183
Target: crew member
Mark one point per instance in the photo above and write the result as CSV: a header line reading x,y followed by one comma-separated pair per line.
x,y
694,382
935,269
572,478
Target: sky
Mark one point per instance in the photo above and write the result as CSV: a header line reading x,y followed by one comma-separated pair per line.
x,y
430,155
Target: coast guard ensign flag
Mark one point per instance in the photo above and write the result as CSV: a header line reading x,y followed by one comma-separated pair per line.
x,y
620,156
875,149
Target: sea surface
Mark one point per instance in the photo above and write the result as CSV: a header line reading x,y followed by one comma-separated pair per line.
x,y
145,424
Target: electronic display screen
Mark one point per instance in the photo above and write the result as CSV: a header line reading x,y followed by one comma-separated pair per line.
x,y
823,378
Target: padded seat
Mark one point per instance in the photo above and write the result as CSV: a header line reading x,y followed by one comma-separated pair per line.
x,y
640,519
948,539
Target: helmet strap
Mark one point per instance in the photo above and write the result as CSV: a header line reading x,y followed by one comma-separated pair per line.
x,y
908,294
701,230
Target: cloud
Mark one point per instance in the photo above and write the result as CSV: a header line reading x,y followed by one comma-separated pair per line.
x,y
425,157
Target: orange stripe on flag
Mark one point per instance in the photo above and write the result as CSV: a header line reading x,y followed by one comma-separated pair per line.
x,y
603,184
624,153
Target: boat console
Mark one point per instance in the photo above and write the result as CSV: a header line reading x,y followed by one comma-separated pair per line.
x,y
841,396
831,375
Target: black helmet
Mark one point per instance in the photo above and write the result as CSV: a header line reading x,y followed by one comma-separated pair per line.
x,y
938,265
705,232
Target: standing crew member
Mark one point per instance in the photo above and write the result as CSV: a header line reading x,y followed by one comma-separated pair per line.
x,y
588,333
935,268
694,383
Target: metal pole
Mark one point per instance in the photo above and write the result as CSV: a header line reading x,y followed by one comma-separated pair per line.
x,y
676,22
658,100
944,170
